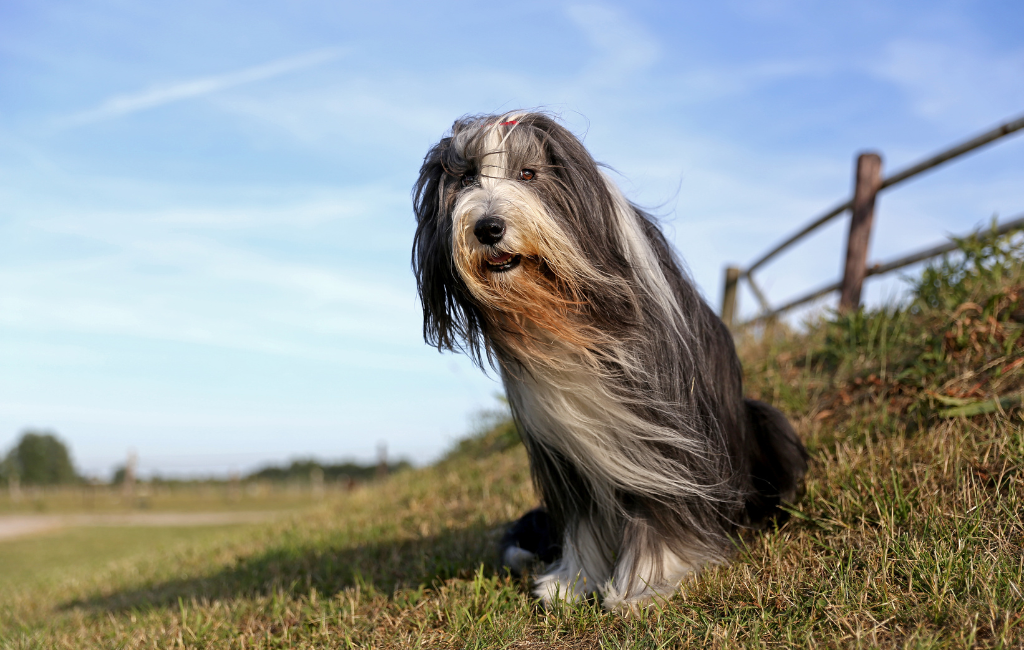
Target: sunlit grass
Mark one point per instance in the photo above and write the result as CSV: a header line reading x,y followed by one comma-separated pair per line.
x,y
910,532
197,497
51,557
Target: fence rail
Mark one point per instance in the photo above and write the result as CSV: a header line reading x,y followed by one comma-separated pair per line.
x,y
868,183
880,269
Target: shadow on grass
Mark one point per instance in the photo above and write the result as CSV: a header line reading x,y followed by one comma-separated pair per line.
x,y
296,569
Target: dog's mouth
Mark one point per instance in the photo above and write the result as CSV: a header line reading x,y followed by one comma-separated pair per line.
x,y
503,262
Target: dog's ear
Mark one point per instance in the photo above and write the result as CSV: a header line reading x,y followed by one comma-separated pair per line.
x,y
581,195
450,321
432,248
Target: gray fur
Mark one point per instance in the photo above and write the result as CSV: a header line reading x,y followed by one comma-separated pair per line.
x,y
625,384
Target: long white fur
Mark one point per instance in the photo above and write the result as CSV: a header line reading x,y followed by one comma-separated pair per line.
x,y
581,570
657,575
568,405
637,579
574,409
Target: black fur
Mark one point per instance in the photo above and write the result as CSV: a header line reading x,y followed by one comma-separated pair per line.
x,y
681,375
532,533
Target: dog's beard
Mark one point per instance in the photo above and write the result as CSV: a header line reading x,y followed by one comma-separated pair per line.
x,y
583,392
530,285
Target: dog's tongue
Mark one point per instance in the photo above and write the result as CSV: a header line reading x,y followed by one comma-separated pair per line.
x,y
500,259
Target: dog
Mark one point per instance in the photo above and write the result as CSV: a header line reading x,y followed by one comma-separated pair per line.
x,y
624,384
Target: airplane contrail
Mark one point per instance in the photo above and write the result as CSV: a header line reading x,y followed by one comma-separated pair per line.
x,y
119,105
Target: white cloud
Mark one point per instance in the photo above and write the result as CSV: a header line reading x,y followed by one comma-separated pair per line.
x,y
955,83
120,105
177,275
700,84
623,46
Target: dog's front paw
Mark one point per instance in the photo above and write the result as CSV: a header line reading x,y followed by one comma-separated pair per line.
x,y
561,585
518,561
629,604
527,542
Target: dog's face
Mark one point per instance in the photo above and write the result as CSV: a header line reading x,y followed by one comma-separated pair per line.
x,y
497,213
517,235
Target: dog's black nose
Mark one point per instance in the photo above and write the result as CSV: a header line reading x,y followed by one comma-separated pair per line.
x,y
489,230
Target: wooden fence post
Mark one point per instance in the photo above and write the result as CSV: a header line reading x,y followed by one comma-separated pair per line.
x,y
866,185
128,487
732,278
382,459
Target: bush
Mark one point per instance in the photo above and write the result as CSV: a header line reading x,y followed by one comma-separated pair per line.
x,y
494,431
40,458
956,347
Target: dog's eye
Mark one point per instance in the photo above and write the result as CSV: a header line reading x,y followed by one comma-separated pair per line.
x,y
468,179
527,174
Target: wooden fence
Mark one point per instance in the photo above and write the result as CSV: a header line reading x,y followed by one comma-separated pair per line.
x,y
868,182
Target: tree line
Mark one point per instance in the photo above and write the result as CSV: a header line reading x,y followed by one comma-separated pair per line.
x,y
302,470
40,458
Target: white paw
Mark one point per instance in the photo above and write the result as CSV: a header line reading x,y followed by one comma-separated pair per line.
x,y
652,580
559,585
620,602
518,560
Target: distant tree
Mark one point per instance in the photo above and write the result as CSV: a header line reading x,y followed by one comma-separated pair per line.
x,y
118,477
40,458
301,471
7,470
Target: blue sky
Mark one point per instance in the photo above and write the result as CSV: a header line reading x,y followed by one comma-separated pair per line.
x,y
204,206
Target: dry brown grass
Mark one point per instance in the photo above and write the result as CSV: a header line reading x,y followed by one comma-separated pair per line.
x,y
910,534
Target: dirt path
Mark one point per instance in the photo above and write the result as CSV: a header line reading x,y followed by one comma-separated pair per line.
x,y
12,526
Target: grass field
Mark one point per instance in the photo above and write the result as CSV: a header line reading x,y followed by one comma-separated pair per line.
x,y
50,558
910,534
187,497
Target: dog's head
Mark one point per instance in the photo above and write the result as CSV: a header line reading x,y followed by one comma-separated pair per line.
x,y
520,238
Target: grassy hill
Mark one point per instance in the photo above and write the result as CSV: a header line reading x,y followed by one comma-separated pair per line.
x,y
910,532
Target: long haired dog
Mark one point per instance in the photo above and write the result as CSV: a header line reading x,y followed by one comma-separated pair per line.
x,y
625,385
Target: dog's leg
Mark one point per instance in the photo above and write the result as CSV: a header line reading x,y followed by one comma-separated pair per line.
x,y
579,572
648,570
528,541
778,461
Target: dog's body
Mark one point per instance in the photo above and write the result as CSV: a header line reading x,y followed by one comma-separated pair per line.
x,y
625,385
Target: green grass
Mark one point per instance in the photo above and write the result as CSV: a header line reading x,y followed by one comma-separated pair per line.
x,y
212,497
50,557
910,534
